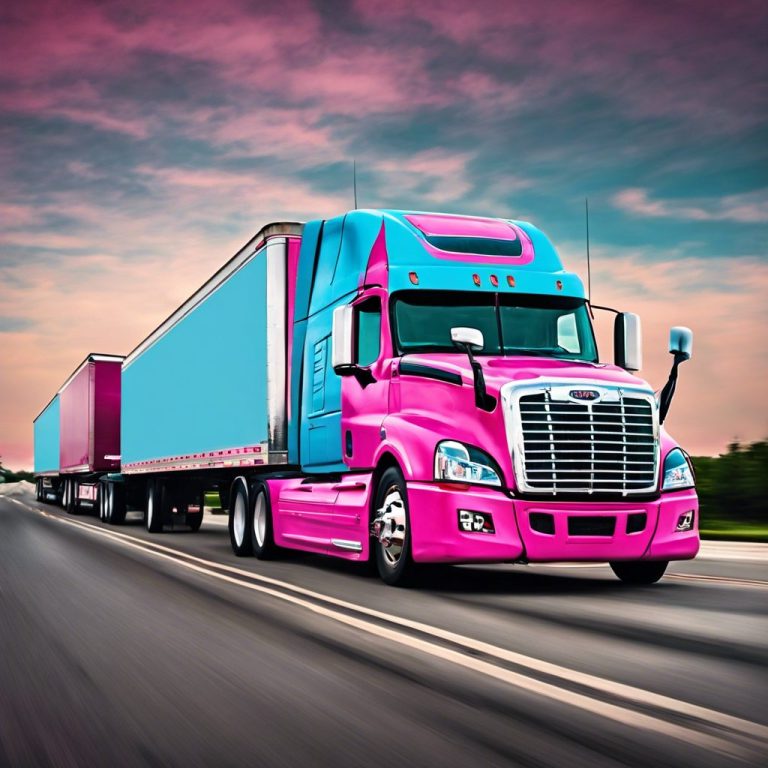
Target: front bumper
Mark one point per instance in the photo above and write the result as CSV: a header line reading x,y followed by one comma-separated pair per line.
x,y
436,537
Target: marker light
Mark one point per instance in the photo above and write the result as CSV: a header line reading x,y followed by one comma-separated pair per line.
x,y
476,279
510,281
559,285
414,278
494,281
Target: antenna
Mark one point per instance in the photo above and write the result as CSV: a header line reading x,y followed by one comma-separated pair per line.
x,y
354,180
589,270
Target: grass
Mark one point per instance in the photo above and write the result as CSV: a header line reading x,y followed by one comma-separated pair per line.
x,y
728,530
212,500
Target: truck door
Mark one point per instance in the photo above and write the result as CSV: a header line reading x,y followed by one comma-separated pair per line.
x,y
365,396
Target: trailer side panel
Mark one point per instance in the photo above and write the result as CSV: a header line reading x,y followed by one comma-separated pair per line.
x,y
202,391
46,432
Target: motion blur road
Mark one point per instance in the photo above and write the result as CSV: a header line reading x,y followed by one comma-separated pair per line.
x,y
122,648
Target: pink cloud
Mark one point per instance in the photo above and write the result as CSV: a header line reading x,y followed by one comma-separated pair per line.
x,y
750,207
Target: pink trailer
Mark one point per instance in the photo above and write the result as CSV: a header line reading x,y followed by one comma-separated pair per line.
x,y
89,428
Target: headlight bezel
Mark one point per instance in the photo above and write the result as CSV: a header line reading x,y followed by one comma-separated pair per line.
x,y
454,453
677,472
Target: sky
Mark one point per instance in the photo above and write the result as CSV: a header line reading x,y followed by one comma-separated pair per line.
x,y
142,143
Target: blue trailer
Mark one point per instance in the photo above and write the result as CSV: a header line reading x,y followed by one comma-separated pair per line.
x,y
46,431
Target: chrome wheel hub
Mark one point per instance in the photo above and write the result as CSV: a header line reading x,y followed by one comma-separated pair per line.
x,y
389,526
238,524
260,519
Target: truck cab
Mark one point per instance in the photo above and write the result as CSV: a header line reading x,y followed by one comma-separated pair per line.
x,y
445,371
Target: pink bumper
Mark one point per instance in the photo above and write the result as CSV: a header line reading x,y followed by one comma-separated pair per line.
x,y
547,531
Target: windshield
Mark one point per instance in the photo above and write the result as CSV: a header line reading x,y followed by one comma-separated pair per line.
x,y
546,326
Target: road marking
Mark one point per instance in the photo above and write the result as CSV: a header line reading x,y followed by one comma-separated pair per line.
x,y
739,742
719,580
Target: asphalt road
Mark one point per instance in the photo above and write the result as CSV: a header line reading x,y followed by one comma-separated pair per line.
x,y
121,648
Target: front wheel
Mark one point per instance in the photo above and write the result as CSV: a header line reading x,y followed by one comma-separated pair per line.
x,y
391,530
638,572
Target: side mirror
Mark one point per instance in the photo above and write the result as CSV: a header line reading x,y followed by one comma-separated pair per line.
x,y
628,341
342,348
680,347
681,342
468,337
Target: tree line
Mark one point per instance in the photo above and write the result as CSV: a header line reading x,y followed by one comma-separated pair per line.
x,y
734,486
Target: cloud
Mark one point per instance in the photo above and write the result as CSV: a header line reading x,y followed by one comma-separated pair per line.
x,y
722,301
747,208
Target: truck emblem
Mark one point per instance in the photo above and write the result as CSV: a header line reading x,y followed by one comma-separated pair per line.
x,y
584,394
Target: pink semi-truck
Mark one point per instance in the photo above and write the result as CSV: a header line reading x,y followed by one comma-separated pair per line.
x,y
405,387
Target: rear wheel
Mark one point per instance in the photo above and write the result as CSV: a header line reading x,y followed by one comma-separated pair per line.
x,y
240,519
634,572
71,504
115,503
391,530
262,537
154,514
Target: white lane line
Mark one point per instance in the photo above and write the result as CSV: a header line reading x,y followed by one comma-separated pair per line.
x,y
745,728
718,579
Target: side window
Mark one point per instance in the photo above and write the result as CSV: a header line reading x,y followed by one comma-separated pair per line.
x,y
567,334
368,324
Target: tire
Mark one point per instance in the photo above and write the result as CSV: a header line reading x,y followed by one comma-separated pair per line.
x,y
154,515
262,533
240,520
639,572
102,502
390,516
71,504
115,504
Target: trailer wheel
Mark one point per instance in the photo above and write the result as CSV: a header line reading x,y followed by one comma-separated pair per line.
x,y
640,572
262,532
154,514
391,530
71,503
115,503
240,519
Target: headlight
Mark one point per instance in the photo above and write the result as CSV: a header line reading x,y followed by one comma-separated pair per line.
x,y
459,463
677,472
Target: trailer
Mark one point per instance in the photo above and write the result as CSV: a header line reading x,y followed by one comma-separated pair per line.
x,y
77,435
408,388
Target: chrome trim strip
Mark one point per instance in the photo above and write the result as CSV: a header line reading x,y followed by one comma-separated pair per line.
x,y
248,456
277,344
352,546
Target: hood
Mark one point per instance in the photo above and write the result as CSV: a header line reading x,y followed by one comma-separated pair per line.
x,y
498,371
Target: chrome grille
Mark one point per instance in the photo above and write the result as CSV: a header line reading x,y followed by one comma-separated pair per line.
x,y
569,447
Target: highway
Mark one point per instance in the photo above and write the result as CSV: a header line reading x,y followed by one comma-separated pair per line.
x,y
122,648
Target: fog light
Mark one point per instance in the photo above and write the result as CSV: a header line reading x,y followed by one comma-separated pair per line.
x,y
475,522
685,521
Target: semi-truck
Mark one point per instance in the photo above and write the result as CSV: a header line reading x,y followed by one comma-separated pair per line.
x,y
402,388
